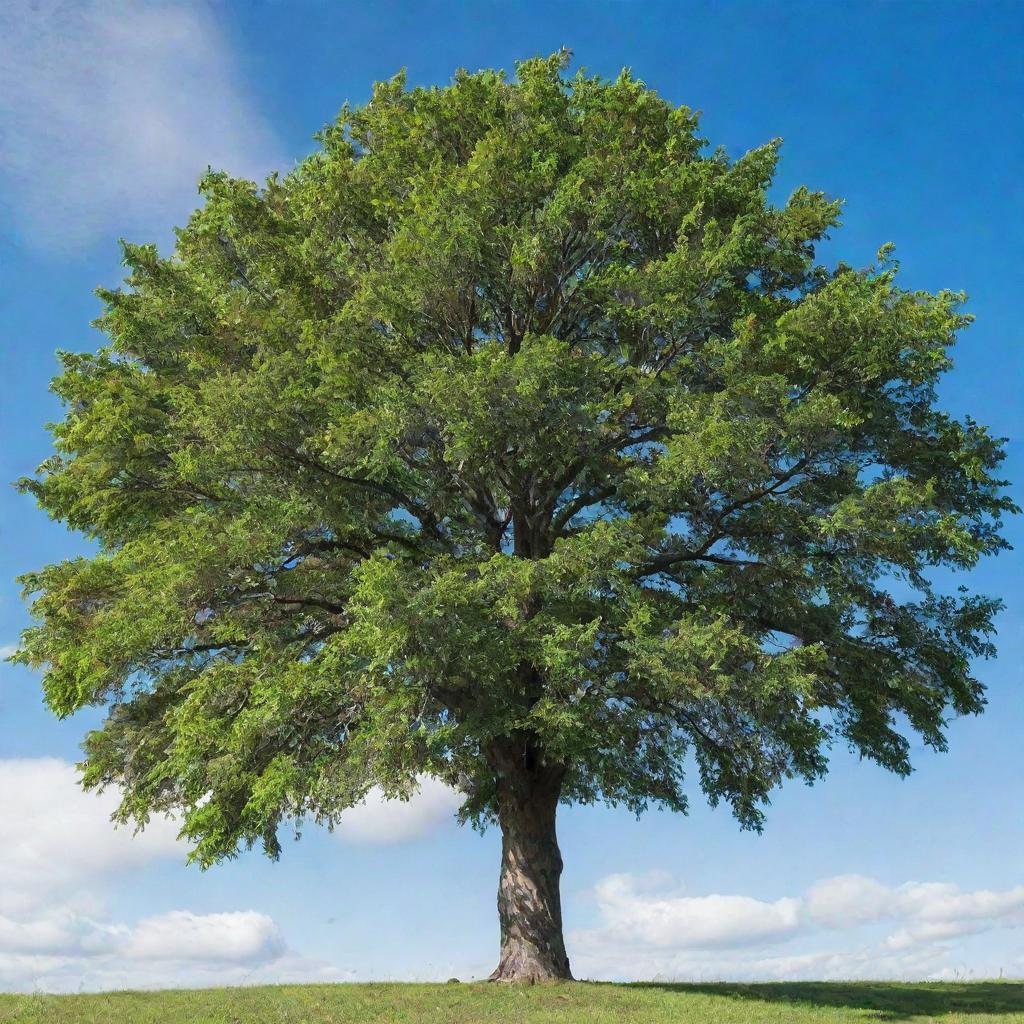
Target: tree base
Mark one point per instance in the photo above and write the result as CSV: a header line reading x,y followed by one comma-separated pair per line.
x,y
502,976
525,966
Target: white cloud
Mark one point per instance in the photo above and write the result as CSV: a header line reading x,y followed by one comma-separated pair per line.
x,y
58,854
929,911
937,912
847,900
378,820
55,932
234,937
237,937
635,915
110,111
939,901
648,928
55,838
60,950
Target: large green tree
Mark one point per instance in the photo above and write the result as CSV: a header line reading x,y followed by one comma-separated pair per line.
x,y
515,439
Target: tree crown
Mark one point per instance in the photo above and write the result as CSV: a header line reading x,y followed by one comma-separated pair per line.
x,y
512,420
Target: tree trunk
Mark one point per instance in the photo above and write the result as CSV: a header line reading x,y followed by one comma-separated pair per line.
x,y
529,903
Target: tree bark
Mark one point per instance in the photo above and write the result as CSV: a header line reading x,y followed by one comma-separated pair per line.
x,y
529,901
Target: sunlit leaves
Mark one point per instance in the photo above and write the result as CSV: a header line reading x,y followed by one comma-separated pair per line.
x,y
511,412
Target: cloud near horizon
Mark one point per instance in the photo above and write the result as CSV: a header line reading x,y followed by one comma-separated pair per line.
x,y
60,854
57,934
650,927
110,112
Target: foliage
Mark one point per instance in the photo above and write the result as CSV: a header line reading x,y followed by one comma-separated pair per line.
x,y
512,415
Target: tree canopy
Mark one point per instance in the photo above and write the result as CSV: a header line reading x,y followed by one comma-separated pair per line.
x,y
511,432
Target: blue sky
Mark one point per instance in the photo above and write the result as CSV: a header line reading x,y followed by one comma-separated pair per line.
x,y
910,111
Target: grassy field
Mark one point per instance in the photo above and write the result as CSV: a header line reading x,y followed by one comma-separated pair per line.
x,y
577,1003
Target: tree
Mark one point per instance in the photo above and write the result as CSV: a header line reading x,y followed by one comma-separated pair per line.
x,y
514,439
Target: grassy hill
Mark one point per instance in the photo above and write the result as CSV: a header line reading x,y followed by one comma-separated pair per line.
x,y
578,1003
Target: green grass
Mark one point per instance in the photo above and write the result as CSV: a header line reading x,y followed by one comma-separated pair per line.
x,y
576,1003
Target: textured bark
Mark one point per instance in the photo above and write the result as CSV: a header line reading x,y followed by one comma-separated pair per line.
x,y
529,900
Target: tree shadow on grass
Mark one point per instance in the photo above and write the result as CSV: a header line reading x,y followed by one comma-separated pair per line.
x,y
890,1001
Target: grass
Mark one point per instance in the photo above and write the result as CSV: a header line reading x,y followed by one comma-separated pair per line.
x,y
575,1003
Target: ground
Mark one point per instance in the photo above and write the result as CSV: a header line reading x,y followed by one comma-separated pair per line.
x,y
576,1003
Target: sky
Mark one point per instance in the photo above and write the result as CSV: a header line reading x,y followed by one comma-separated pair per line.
x,y
910,111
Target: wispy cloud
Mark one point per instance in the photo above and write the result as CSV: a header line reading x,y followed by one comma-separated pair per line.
x,y
110,111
